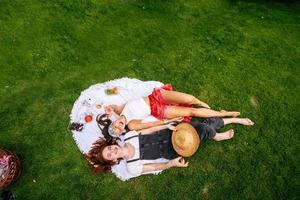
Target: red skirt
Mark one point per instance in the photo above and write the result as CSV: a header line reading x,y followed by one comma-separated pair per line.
x,y
159,105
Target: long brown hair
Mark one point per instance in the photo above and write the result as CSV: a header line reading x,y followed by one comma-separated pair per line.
x,y
95,157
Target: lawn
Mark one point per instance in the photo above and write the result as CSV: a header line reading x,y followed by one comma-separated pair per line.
x,y
237,55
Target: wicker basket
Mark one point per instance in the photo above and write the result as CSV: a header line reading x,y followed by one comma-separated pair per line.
x,y
13,171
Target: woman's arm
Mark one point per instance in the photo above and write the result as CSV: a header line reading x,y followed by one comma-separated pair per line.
x,y
177,162
139,125
114,108
157,128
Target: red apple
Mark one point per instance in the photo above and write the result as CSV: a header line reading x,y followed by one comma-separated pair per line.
x,y
88,118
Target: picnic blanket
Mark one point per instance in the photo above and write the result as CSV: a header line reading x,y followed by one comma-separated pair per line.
x,y
92,101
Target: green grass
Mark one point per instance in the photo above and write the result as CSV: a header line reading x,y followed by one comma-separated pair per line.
x,y
238,55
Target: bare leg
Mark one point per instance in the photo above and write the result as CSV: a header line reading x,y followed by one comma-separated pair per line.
x,y
179,111
224,136
174,97
243,121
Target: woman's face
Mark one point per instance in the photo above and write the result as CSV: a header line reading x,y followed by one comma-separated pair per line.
x,y
112,152
119,125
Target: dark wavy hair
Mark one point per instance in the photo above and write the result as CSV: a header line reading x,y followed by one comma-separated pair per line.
x,y
104,122
95,157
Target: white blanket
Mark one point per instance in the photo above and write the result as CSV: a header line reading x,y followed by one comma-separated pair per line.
x,y
88,104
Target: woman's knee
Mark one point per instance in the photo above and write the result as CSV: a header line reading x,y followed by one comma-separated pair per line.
x,y
193,111
190,99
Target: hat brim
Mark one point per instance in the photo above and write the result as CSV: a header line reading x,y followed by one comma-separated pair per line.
x,y
185,128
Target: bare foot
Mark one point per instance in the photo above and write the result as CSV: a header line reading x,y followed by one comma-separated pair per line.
x,y
224,136
245,121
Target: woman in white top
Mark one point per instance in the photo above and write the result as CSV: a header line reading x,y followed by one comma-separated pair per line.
x,y
142,149
164,104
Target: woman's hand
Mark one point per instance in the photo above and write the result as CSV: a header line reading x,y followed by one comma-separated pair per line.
x,y
178,162
109,110
171,127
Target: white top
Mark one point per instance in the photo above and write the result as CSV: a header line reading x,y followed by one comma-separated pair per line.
x,y
136,109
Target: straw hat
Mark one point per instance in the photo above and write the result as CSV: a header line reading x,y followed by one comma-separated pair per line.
x,y
185,140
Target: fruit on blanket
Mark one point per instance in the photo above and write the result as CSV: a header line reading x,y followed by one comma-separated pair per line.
x,y
88,118
112,91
